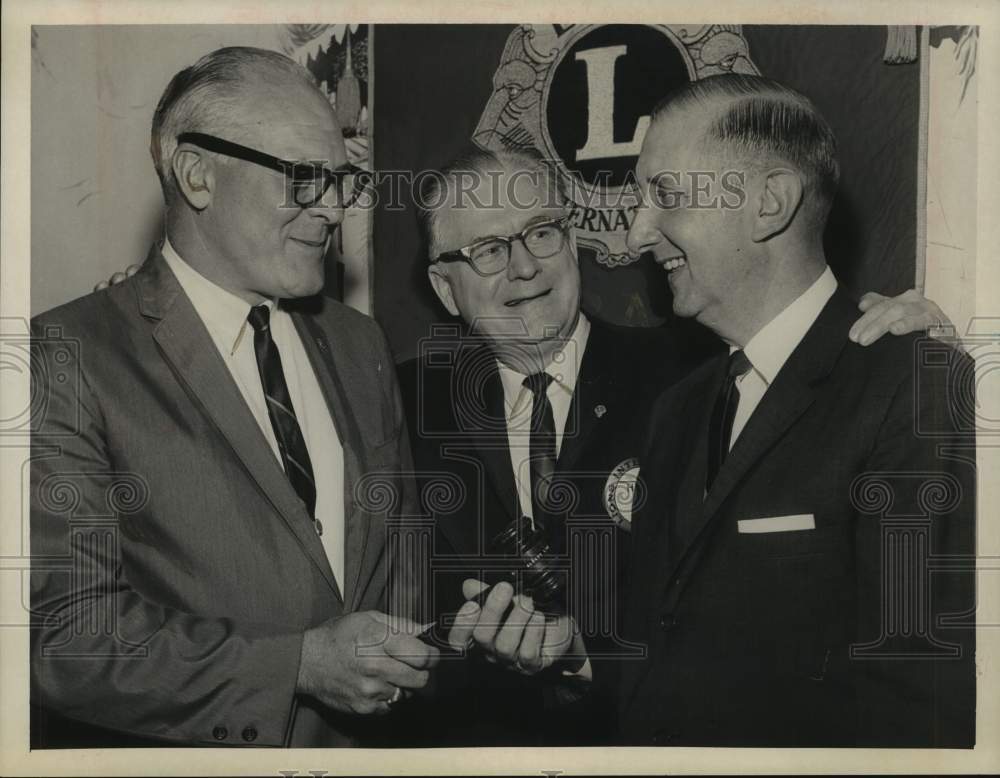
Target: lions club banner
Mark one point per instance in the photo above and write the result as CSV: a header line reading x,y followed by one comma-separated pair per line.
x,y
582,95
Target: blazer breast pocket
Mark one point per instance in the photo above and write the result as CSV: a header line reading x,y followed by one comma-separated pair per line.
x,y
788,536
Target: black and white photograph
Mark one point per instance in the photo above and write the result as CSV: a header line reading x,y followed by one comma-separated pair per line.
x,y
473,393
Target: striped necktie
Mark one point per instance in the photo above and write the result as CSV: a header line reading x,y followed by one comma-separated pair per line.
x,y
291,444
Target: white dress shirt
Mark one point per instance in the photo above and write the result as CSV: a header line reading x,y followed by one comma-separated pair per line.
x,y
225,317
770,348
564,369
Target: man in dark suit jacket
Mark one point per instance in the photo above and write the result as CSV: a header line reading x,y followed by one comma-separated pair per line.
x,y
521,315
471,428
619,372
210,560
802,488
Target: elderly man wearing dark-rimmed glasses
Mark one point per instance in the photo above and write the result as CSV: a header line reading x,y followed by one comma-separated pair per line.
x,y
245,590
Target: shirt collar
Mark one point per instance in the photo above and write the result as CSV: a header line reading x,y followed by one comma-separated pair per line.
x,y
770,348
564,367
223,313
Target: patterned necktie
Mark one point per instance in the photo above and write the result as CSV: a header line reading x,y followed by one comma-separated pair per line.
x,y
543,448
291,444
720,428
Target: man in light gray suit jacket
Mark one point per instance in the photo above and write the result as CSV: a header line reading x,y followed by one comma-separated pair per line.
x,y
217,451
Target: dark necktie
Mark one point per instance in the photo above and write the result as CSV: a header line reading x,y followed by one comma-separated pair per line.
x,y
720,427
543,448
291,444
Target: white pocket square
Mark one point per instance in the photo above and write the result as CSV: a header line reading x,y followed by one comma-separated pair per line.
x,y
793,523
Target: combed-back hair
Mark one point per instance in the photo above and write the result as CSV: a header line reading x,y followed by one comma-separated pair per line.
x,y
760,121
439,190
208,97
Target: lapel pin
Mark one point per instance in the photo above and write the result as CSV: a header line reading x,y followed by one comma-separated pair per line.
x,y
321,343
600,410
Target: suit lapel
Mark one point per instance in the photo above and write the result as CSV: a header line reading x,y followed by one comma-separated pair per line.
x,y
593,390
674,461
471,409
684,539
689,515
784,402
187,346
493,449
329,366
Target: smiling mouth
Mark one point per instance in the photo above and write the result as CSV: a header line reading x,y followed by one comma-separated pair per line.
x,y
520,300
313,243
673,263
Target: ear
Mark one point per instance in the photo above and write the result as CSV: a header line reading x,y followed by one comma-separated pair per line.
x,y
442,288
780,198
194,174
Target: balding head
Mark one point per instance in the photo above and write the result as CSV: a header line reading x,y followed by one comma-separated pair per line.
x,y
737,175
755,122
224,93
506,205
246,116
486,179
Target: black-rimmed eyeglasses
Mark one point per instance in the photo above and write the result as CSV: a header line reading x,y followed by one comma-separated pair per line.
x,y
307,182
490,256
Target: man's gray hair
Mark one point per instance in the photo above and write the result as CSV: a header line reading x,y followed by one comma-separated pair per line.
x,y
208,96
761,120
442,188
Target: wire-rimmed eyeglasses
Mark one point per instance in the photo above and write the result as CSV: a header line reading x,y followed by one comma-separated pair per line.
x,y
490,256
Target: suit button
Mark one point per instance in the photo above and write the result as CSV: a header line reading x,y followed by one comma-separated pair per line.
x,y
667,621
220,733
249,734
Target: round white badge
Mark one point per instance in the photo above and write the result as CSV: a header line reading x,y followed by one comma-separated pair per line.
x,y
620,491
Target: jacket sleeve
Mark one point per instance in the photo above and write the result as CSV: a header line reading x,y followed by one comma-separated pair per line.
x,y
913,671
102,651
